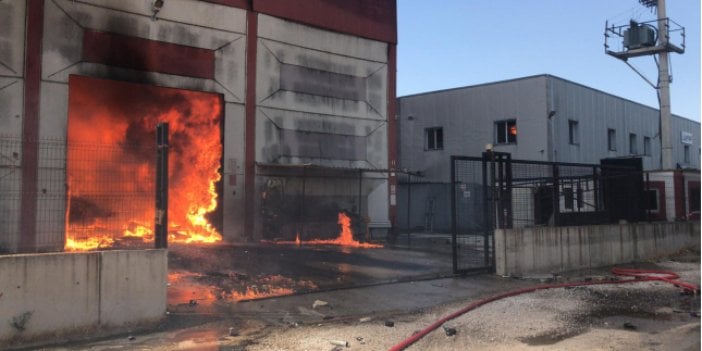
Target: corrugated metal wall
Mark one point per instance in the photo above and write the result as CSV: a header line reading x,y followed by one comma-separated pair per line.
x,y
467,116
596,112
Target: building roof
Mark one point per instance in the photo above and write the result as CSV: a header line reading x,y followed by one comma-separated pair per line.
x,y
544,75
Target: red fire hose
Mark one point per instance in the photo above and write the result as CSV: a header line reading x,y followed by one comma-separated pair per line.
x,y
639,275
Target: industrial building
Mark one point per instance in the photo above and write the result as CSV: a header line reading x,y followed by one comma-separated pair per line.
x,y
291,86
537,118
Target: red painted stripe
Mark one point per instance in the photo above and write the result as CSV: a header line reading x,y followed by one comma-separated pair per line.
x,y
147,55
693,187
30,127
242,4
392,124
250,123
373,19
679,191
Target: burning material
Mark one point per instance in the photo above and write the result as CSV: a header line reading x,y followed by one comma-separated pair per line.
x,y
253,293
186,287
92,243
344,239
193,288
110,167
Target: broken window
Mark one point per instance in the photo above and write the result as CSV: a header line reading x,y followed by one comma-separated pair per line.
x,y
506,132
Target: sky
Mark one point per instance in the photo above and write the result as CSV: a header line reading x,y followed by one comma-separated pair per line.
x,y
453,43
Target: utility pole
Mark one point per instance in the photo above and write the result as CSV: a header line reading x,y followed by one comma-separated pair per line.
x,y
639,39
664,89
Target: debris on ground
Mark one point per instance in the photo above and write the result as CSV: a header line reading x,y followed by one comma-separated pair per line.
x,y
319,303
389,324
365,319
629,326
339,343
449,331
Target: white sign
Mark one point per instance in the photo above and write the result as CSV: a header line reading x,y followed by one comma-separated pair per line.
x,y
686,138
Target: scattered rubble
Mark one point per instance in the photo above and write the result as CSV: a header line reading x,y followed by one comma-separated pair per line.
x,y
319,303
339,343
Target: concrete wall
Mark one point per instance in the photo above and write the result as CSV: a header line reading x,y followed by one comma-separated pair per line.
x,y
68,295
12,25
545,250
321,98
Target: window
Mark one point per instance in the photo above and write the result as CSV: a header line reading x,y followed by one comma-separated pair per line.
x,y
686,153
573,137
633,148
435,138
611,140
647,146
506,132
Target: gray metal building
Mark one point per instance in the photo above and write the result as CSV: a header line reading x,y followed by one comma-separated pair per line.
x,y
541,117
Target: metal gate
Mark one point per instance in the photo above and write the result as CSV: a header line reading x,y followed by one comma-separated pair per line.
x,y
478,204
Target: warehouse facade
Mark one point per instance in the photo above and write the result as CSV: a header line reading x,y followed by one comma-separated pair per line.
x,y
281,79
540,118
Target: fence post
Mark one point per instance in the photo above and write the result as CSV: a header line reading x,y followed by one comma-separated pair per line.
x,y
596,189
302,208
556,197
487,206
161,230
454,229
409,207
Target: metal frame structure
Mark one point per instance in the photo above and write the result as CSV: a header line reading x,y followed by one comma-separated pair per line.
x,y
494,191
661,48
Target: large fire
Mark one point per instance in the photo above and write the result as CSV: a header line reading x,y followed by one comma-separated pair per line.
x,y
111,162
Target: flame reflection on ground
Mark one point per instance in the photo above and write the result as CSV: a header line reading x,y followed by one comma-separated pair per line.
x,y
194,288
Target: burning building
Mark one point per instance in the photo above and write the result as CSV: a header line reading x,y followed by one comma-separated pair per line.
x,y
281,115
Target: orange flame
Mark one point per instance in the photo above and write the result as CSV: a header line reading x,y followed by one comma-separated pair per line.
x,y
92,243
345,237
111,176
252,293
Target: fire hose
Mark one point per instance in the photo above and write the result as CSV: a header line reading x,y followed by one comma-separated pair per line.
x,y
638,275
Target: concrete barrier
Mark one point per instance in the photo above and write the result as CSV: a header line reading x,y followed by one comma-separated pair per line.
x,y
546,250
60,296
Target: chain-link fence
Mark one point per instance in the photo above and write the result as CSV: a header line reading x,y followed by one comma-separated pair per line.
x,y
529,193
304,201
78,197
494,191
